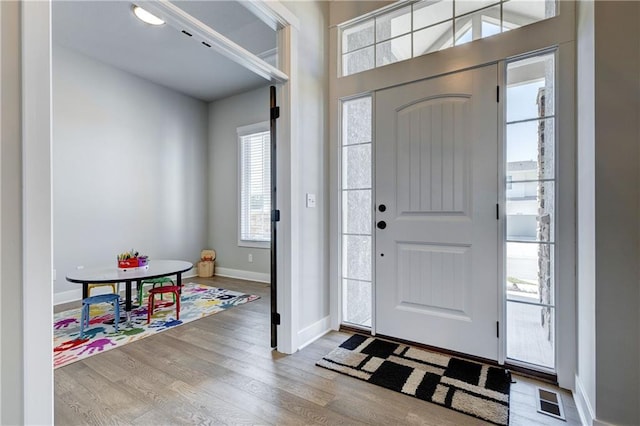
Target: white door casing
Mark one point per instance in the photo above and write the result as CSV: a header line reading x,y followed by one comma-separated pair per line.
x,y
436,174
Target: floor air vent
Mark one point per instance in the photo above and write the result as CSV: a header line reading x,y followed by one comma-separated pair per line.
x,y
549,403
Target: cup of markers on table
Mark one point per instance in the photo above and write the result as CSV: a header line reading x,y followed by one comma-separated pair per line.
x,y
132,259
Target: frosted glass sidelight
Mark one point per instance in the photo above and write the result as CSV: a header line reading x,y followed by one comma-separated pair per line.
x,y
427,13
357,36
393,24
531,334
394,50
530,88
356,208
357,302
356,167
432,39
356,211
356,257
531,150
356,121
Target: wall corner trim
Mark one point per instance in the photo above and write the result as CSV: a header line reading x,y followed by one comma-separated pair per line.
x,y
585,410
310,334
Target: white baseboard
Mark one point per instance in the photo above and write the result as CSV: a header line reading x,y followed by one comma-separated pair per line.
x,y
597,422
67,296
76,294
243,275
310,334
585,411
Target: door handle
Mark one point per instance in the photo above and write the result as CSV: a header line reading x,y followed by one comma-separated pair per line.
x,y
382,224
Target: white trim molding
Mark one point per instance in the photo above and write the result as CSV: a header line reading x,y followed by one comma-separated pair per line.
x,y
585,407
182,21
37,226
310,334
585,410
272,13
288,198
260,277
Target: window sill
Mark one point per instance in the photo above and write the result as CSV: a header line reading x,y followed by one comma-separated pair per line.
x,y
255,244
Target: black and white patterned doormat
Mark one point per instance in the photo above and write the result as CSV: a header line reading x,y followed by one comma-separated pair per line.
x,y
472,388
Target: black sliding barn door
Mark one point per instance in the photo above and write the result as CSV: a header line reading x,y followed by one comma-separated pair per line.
x,y
275,217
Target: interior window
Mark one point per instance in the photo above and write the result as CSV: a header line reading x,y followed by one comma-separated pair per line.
x,y
255,186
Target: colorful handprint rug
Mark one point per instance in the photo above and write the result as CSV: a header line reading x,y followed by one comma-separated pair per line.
x,y
197,301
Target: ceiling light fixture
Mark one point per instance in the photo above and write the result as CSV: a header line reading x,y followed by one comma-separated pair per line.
x,y
146,17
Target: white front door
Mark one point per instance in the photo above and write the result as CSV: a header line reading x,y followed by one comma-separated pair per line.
x,y
436,196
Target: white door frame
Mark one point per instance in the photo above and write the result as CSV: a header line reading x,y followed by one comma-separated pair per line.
x,y
37,257
558,31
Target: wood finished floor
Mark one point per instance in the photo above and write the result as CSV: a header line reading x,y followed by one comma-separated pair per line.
x,y
220,370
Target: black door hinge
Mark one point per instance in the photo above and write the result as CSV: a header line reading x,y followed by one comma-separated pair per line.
x,y
275,318
498,329
497,211
497,93
275,216
275,113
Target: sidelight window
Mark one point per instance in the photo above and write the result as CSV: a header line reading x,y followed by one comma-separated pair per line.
x,y
530,189
356,203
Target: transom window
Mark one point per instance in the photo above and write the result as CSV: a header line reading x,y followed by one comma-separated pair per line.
x,y
421,27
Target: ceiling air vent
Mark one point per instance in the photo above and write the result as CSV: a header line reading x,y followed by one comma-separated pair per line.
x,y
550,403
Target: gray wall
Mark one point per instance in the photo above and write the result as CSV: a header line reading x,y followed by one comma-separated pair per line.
x,y
11,312
129,167
617,202
609,199
225,116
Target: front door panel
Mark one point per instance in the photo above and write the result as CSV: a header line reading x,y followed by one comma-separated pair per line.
x,y
436,175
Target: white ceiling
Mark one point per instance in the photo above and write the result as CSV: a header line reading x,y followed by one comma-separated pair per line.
x,y
109,32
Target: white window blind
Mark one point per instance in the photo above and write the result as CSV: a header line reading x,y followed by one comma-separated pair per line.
x,y
255,188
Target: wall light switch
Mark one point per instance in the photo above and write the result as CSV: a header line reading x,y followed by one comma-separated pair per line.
x,y
311,200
